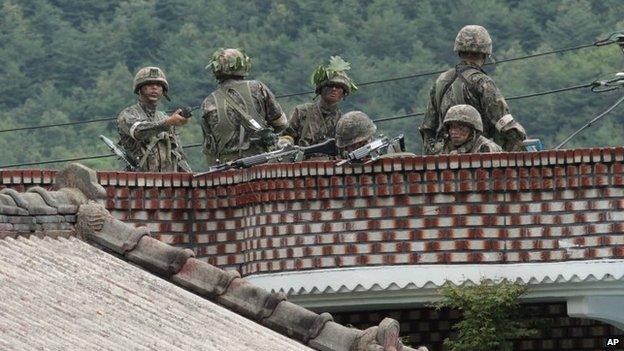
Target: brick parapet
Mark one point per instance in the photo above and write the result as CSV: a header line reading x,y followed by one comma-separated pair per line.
x,y
482,208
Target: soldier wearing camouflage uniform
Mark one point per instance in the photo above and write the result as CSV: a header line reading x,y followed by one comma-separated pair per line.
x,y
354,130
241,117
149,135
314,122
465,129
467,83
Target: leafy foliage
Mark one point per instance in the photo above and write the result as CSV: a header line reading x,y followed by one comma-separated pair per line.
x,y
336,65
490,315
67,61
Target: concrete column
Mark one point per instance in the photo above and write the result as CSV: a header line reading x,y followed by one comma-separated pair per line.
x,y
608,309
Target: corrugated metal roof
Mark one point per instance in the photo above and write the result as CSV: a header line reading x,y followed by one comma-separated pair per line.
x,y
63,294
390,286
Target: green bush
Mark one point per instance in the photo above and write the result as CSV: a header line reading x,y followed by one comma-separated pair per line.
x,y
490,315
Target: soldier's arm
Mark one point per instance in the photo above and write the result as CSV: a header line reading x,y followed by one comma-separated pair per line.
x,y
209,110
139,128
497,112
429,126
275,116
294,126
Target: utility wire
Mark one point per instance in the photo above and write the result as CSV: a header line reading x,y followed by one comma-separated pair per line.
x,y
554,91
190,146
612,39
58,124
518,97
588,124
382,119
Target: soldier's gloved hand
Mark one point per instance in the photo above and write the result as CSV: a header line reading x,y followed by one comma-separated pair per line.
x,y
513,141
176,119
268,138
438,146
284,140
433,146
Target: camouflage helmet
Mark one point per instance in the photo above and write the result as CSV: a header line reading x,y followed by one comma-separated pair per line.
x,y
338,78
229,62
464,114
354,127
147,75
333,73
473,38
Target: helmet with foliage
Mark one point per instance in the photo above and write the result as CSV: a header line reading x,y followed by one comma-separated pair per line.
x,y
473,38
334,73
464,114
147,75
354,127
229,62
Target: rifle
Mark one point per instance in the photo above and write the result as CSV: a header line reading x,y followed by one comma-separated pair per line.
x,y
374,149
131,163
327,147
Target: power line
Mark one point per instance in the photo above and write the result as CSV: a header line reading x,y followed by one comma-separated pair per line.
x,y
57,124
381,119
554,91
518,97
612,39
61,160
589,124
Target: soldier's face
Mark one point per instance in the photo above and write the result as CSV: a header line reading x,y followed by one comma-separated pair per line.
x,y
332,94
151,92
459,132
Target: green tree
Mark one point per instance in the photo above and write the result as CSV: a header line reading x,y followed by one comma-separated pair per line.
x,y
490,315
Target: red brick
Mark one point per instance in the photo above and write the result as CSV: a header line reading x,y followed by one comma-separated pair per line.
x,y
403,247
475,257
444,257
432,246
462,245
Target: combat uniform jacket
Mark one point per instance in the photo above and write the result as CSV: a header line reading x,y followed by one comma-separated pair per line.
x,y
311,124
480,144
155,146
226,136
470,85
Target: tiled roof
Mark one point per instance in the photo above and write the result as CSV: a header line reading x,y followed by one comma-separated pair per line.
x,y
60,292
66,294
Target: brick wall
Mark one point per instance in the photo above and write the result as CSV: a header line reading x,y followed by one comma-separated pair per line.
x,y
497,208
556,331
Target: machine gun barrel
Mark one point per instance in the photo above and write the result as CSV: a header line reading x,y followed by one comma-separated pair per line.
x,y
374,149
327,147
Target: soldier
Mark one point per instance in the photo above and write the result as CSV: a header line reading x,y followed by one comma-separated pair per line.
x,y
467,83
240,116
314,122
354,130
464,126
149,135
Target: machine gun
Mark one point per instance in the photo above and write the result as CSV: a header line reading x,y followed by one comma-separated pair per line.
x,y
289,152
131,163
374,150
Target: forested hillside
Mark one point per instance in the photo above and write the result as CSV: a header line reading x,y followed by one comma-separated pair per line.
x,y
73,60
